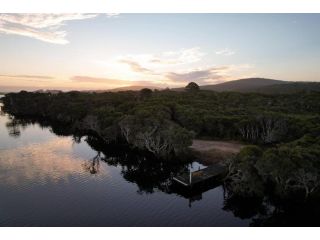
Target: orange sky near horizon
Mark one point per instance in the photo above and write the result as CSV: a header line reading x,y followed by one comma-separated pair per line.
x,y
106,51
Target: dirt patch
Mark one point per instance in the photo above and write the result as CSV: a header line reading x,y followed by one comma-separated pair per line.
x,y
215,151
225,146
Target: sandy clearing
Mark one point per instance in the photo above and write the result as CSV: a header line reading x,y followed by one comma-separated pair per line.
x,y
204,145
215,151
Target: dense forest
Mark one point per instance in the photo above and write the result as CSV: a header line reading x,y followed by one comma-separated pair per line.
x,y
282,130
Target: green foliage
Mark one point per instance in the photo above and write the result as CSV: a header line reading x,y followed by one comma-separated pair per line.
x,y
285,129
244,177
145,93
249,155
192,86
291,168
253,118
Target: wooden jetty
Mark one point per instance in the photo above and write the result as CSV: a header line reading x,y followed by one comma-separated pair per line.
x,y
189,179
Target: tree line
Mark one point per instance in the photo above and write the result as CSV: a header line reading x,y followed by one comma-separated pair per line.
x,y
165,122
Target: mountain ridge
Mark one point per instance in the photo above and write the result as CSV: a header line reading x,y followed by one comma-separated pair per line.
x,y
242,85
260,85
245,85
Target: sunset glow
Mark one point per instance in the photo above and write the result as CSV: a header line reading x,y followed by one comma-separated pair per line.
x,y
105,51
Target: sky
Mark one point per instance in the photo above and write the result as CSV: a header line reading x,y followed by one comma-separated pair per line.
x,y
105,51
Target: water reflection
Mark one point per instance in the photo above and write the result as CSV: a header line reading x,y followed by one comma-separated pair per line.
x,y
93,165
140,168
146,171
51,159
13,128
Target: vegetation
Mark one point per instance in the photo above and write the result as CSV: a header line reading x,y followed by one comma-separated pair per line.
x,y
192,87
276,175
282,170
283,129
256,200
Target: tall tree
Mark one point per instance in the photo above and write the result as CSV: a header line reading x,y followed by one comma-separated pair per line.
x,y
192,86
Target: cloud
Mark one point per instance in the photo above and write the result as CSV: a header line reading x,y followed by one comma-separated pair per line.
x,y
165,68
225,52
202,76
109,83
101,80
57,37
28,76
179,57
183,56
88,79
112,15
44,27
43,20
38,79
211,75
136,67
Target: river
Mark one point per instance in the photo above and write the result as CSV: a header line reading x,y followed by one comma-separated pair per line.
x,y
49,179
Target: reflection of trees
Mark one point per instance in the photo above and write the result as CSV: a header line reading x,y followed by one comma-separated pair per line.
x,y
76,139
242,207
136,166
93,164
287,214
140,168
151,174
273,211
14,126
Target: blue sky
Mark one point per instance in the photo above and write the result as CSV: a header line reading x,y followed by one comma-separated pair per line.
x,y
101,51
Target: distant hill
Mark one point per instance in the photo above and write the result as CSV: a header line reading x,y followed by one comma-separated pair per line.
x,y
260,85
131,88
290,87
243,85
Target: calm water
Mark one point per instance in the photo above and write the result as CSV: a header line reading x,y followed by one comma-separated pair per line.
x,y
51,180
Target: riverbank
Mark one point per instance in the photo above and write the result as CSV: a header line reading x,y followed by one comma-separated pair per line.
x,y
210,152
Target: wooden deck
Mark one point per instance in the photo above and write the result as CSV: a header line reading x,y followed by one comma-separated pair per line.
x,y
192,178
